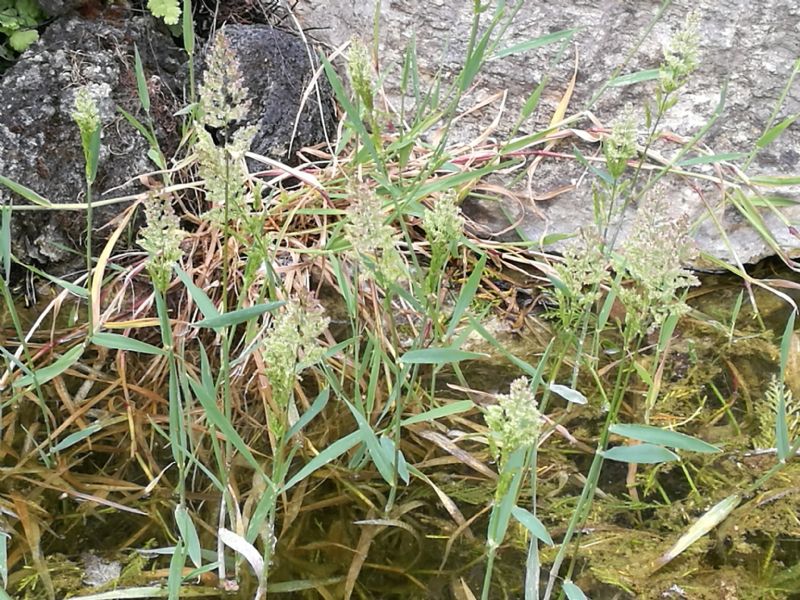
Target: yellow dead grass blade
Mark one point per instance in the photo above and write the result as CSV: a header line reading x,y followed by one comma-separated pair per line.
x,y
718,513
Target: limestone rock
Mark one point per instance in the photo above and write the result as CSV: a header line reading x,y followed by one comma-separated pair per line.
x,y
751,46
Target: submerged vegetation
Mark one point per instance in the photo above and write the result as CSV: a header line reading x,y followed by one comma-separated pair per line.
x,y
323,381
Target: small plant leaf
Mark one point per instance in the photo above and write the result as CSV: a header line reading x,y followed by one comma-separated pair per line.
x,y
331,453
116,341
568,394
701,527
572,591
188,534
452,408
532,524
663,437
712,159
244,548
25,192
438,356
641,454
544,40
45,374
637,77
241,315
773,132
74,438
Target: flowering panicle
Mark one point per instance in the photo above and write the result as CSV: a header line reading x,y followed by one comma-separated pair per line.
x,y
373,241
290,346
680,56
223,101
514,422
620,146
653,257
443,224
359,72
161,237
223,96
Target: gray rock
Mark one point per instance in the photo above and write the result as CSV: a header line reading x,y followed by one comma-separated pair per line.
x,y
752,46
40,144
277,71
55,8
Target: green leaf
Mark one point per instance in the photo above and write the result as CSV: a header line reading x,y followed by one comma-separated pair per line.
x,y
711,159
381,458
239,316
438,356
568,394
141,82
452,408
332,452
22,39
532,524
636,77
25,192
188,534
776,181
544,40
645,454
217,419
76,437
175,577
773,132
116,341
466,295
663,437
168,10
199,297
45,374
320,403
572,591
188,27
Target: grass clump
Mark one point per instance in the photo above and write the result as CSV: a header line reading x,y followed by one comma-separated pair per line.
x,y
211,398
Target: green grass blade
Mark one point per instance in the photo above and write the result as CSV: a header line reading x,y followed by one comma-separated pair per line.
x,y
141,82
466,295
76,437
572,591
438,356
331,453
645,454
199,297
188,534
532,524
241,315
316,408
632,78
116,341
565,34
451,408
773,132
567,393
218,420
663,437
45,374
25,192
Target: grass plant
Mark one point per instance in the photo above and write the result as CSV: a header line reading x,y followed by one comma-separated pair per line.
x,y
301,342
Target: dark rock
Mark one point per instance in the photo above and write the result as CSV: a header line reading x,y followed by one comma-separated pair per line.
x,y
40,143
56,8
277,70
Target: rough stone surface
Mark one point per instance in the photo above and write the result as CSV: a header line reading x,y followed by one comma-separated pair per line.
x,y
277,72
55,8
40,143
751,46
